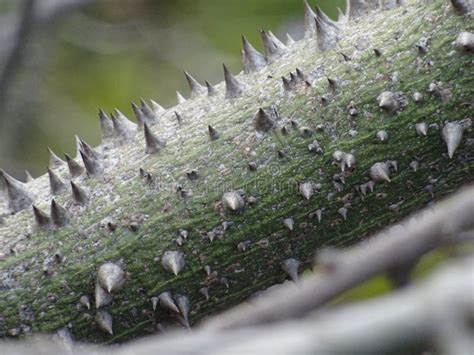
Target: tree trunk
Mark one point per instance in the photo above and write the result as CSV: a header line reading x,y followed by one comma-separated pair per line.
x,y
133,217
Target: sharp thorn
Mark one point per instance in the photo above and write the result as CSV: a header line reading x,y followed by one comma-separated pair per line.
x,y
54,160
211,90
196,88
59,214
42,220
93,166
79,195
234,88
18,195
56,186
153,143
75,169
252,60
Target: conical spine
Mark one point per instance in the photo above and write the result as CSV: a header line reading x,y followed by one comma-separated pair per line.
x,y
252,60
75,169
234,88
42,220
79,196
18,195
153,143
196,88
59,214
56,186
93,166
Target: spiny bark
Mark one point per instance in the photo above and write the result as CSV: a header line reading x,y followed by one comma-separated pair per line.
x,y
144,213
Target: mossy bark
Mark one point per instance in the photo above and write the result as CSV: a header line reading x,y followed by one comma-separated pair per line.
x,y
45,302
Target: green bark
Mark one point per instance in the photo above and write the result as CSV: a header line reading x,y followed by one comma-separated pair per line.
x,y
121,194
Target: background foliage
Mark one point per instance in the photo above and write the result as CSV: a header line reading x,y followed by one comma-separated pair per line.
x,y
107,53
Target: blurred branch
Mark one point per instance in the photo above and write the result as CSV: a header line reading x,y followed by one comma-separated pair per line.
x,y
15,56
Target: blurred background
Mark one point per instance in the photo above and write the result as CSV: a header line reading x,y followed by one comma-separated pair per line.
x,y
62,60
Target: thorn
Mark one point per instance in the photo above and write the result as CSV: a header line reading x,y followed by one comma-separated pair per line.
x,y
343,212
139,115
465,42
166,301
106,127
74,168
273,47
233,87
387,101
181,99
204,291
380,172
287,84
417,97
154,302
153,143
59,215
18,195
300,74
150,115
196,88
333,84
111,277
104,321
349,161
233,202
56,186
102,297
28,177
85,301
289,40
213,134
178,118
290,267
54,160
173,262
421,128
377,52
382,136
183,305
124,129
289,223
93,167
327,35
452,134
89,150
345,57
306,190
42,219
414,165
252,60
262,121
79,196
78,146
211,90
192,174
309,21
